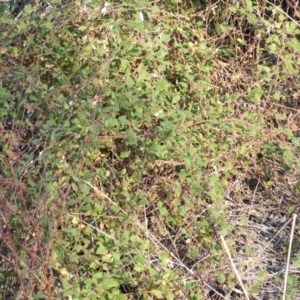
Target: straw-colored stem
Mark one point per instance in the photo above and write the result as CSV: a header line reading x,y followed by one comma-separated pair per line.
x,y
234,268
289,257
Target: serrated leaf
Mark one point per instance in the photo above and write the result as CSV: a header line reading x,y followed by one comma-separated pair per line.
x,y
221,278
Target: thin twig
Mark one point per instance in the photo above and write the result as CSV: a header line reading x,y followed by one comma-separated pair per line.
x,y
234,268
289,256
283,12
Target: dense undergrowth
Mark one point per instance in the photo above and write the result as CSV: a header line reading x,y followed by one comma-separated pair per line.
x,y
126,131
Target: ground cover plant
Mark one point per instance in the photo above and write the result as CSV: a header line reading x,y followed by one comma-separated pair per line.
x,y
149,150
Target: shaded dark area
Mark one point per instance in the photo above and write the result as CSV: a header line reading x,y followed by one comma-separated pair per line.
x,y
16,6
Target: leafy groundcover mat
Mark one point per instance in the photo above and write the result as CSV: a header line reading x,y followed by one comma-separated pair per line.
x,y
149,149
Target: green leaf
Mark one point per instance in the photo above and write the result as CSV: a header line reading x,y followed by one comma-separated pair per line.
x,y
109,283
221,278
88,176
84,188
135,51
256,95
125,154
165,258
157,293
131,137
129,81
120,297
101,250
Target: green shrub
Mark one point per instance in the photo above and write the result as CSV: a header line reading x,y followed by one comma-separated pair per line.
x,y
123,128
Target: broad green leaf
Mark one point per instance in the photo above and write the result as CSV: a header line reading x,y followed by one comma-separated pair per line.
x,y
157,293
109,283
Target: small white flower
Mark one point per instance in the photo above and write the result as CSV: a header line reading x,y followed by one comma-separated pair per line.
x,y
63,160
141,16
270,29
104,10
159,113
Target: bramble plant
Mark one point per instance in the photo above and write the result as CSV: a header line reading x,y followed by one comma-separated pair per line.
x,y
134,135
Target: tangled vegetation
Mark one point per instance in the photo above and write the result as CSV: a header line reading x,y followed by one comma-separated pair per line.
x,y
149,149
